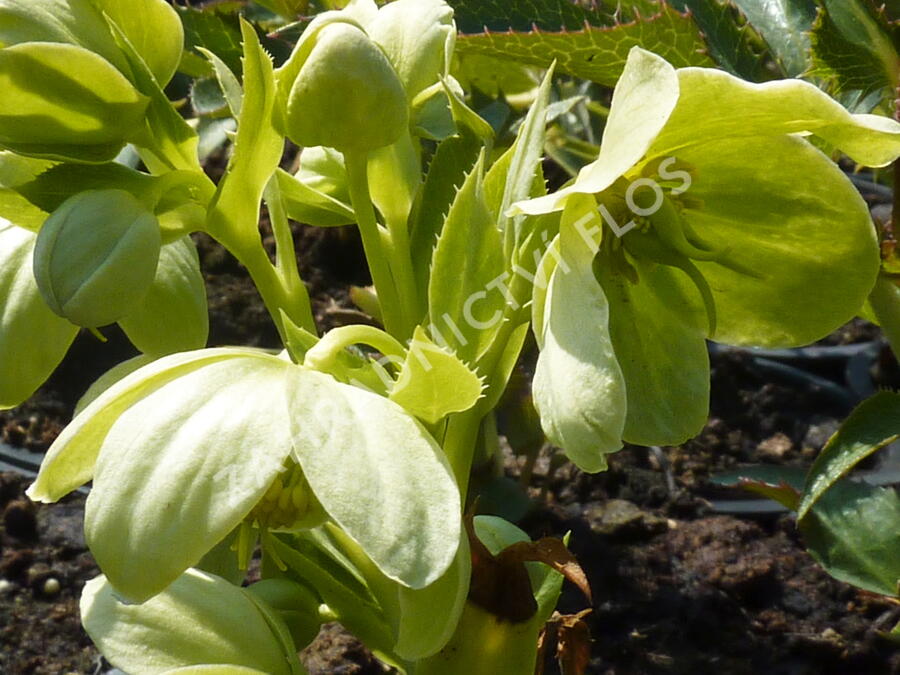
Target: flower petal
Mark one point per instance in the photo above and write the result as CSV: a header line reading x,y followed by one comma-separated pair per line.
x,y
199,619
578,387
70,461
643,99
183,466
33,340
793,221
658,327
378,474
714,104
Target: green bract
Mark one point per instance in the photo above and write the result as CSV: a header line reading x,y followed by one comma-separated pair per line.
x,y
694,234
346,94
96,257
200,437
64,101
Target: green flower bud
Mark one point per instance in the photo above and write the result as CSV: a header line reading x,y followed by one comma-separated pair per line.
x,y
346,95
63,101
96,256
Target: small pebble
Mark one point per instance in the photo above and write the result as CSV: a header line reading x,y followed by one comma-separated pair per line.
x,y
51,587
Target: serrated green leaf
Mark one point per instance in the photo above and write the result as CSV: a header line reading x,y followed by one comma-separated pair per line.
x,y
527,151
207,97
453,158
228,82
214,31
465,310
785,26
852,532
257,150
584,43
434,383
853,50
873,424
730,44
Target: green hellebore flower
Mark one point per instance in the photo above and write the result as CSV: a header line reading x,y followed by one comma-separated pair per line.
x,y
96,256
346,94
64,102
200,624
745,217
185,449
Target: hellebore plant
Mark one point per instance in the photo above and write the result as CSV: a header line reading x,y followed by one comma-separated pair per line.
x,y
709,213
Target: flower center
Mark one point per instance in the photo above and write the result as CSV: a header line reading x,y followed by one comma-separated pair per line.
x,y
288,504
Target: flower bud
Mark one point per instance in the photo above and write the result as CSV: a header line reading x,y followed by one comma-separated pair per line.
x,y
96,256
63,101
346,95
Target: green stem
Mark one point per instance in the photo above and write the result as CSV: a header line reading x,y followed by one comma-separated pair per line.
x,y
285,253
272,287
486,645
323,355
885,301
373,238
404,275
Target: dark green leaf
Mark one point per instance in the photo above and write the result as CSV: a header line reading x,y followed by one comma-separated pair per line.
x,y
852,48
730,43
785,26
872,425
215,31
853,531
780,483
585,43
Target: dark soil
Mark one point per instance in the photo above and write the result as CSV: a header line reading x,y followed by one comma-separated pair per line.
x,y
678,587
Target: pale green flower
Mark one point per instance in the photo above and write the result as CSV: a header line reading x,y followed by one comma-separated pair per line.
x,y
752,236
186,449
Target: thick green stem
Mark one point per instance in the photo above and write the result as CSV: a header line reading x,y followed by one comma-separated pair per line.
x,y
373,242
272,288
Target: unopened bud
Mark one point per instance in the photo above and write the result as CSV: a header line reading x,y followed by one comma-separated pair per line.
x,y
96,256
346,95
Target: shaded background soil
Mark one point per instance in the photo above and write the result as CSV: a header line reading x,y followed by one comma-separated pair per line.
x,y
679,587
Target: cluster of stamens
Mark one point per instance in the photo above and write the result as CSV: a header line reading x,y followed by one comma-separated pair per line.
x,y
288,504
